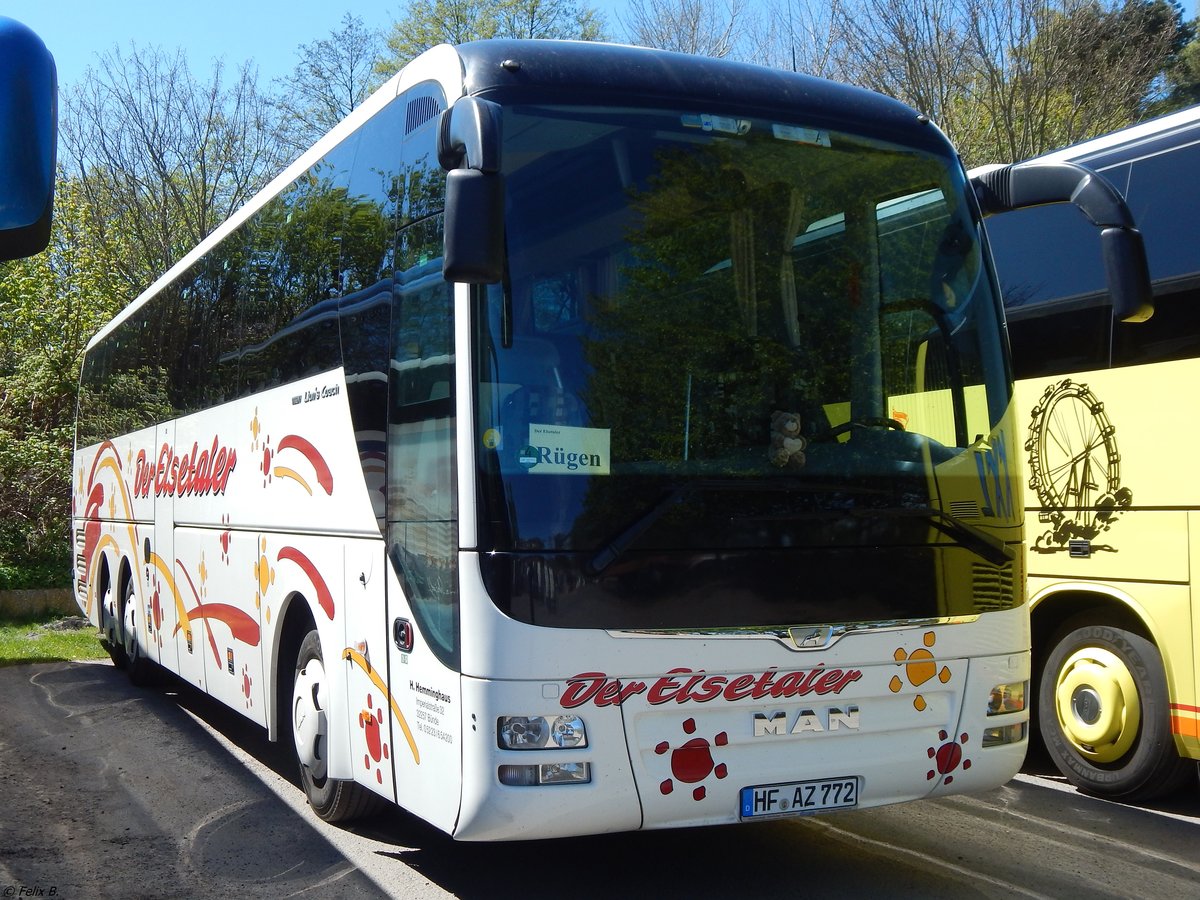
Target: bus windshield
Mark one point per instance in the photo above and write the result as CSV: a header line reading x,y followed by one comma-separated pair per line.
x,y
725,342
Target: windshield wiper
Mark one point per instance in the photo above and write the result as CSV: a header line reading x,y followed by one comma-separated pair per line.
x,y
975,539
622,541
971,537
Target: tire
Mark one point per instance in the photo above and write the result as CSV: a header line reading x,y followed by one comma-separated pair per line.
x,y
110,624
138,666
1104,713
332,799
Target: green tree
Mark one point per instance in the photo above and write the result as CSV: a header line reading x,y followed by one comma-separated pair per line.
x,y
427,23
50,304
164,157
333,76
1082,69
1009,79
1182,77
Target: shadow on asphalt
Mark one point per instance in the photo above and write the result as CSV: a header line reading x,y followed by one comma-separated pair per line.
x,y
587,867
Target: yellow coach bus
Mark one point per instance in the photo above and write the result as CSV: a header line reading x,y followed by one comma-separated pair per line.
x,y
1112,501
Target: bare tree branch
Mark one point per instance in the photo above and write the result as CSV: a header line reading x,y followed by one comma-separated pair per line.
x,y
162,157
702,27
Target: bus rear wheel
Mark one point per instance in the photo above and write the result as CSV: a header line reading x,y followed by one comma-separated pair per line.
x,y
1104,715
110,624
332,799
138,666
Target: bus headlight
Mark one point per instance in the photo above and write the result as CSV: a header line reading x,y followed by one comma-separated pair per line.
x,y
547,773
1004,734
522,732
1005,699
540,733
568,732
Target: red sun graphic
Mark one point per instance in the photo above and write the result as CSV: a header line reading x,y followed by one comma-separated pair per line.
x,y
247,685
266,463
692,762
377,748
156,612
947,757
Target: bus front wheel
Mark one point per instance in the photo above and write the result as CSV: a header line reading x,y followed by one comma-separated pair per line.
x,y
1104,714
332,799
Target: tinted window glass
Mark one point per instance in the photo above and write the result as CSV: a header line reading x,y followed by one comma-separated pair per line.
x,y
294,260
1159,189
1043,253
365,309
204,313
714,350
1173,332
422,507
1054,338
125,385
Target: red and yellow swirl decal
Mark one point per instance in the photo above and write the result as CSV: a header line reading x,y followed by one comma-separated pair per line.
x,y
315,459
361,661
324,597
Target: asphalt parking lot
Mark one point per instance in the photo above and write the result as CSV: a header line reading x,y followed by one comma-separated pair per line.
x,y
113,793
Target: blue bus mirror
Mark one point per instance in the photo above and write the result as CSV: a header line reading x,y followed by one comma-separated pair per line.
x,y
469,148
1006,188
474,247
28,140
1127,273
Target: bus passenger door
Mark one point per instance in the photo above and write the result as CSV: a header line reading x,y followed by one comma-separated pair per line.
x,y
160,609
369,701
427,718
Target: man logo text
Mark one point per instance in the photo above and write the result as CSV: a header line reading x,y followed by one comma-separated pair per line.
x,y
807,721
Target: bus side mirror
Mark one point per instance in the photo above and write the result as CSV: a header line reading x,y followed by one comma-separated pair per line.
x,y
1127,274
474,244
469,149
28,140
1005,188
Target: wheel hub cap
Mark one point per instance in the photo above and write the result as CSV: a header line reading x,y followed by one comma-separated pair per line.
x,y
130,631
1097,703
309,723
1085,704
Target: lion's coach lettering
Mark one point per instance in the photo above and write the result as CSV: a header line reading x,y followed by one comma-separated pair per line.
x,y
686,685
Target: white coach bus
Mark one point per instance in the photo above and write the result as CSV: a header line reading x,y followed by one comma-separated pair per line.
x,y
580,439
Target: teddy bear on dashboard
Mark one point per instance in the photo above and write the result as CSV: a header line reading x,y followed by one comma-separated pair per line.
x,y
787,443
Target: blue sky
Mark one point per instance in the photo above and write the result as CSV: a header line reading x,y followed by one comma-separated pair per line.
x,y
267,31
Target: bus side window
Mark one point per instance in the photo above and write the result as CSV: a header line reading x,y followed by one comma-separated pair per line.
x,y
1165,213
293,265
422,514
1059,318
1173,332
1056,338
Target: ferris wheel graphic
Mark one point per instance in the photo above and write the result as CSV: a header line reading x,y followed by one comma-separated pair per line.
x,y
1075,468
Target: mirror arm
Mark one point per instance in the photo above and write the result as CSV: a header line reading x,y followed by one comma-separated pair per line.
x,y
1038,183
1006,188
469,150
469,136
